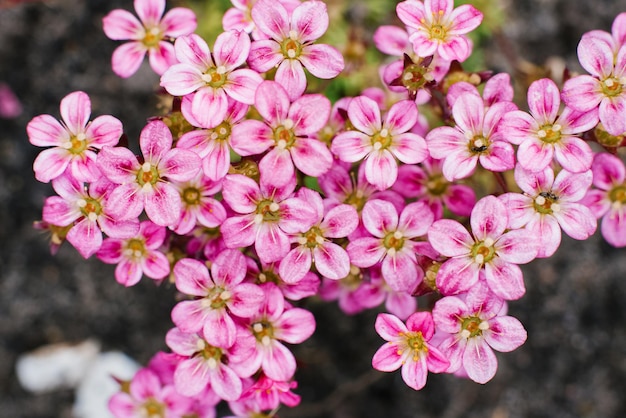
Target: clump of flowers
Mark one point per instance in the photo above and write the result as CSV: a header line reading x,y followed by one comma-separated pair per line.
x,y
275,189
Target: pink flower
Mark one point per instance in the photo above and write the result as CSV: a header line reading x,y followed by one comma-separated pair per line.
x,y
380,143
86,212
315,245
394,242
198,205
275,322
239,17
603,55
213,76
150,34
138,255
10,105
408,348
545,134
476,325
289,129
474,139
427,184
268,394
147,395
268,273
217,296
548,205
203,364
490,248
73,140
266,216
439,28
290,45
146,185
608,199
212,144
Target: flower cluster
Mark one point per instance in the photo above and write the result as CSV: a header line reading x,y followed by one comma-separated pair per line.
x,y
256,192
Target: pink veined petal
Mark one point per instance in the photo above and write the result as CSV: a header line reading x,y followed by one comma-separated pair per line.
x,y
297,215
231,49
409,148
331,261
309,114
415,372
468,112
576,220
209,106
450,238
534,155
181,79
295,265
111,251
86,237
459,165
401,117
189,315
460,199
379,217
445,140
618,28
533,182
614,227
122,405
228,268
272,102
498,89
389,327
219,328
574,154
145,384
192,277
505,334
277,168
547,232
575,122
457,275
149,11
128,273
436,360
271,244
226,383
415,219
364,114
216,163
572,187
351,146
411,13
381,169
488,218
544,100
178,21
582,92
242,85
265,55
50,164
312,157
517,246
127,58
423,44
595,53
121,25
479,361
75,111
453,349
60,212
386,358
156,265
45,131
391,40
271,18
251,137
611,114
179,165
191,376
193,51
104,130
446,314
597,202
323,61
365,252
182,343
246,300
163,204
400,271
505,279
456,47
155,140
518,126
162,57
608,170
310,21
340,221
290,75
294,326
278,362
437,7
83,167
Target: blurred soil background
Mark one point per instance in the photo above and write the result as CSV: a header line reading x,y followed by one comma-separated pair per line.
x,y
573,364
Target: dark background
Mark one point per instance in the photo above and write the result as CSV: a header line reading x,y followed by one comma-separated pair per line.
x,y
573,364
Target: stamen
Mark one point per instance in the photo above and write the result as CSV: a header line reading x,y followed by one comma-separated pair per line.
x,y
92,216
274,207
220,70
465,334
257,327
81,203
266,340
479,258
555,207
146,167
212,363
258,218
542,133
288,123
484,326
540,200
397,235
488,242
225,295
384,133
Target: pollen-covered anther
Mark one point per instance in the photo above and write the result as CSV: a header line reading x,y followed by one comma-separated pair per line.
x,y
488,242
146,188
214,136
479,258
540,200
288,123
200,345
483,326
319,239
212,363
407,76
274,207
220,70
81,203
377,146
397,235
391,252
555,207
384,133
291,53
145,167
282,144
478,143
302,240
465,334
92,216
225,295
258,219
257,327
293,35
223,131
266,340
67,145
468,135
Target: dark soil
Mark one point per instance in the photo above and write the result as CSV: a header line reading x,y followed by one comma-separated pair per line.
x,y
573,364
